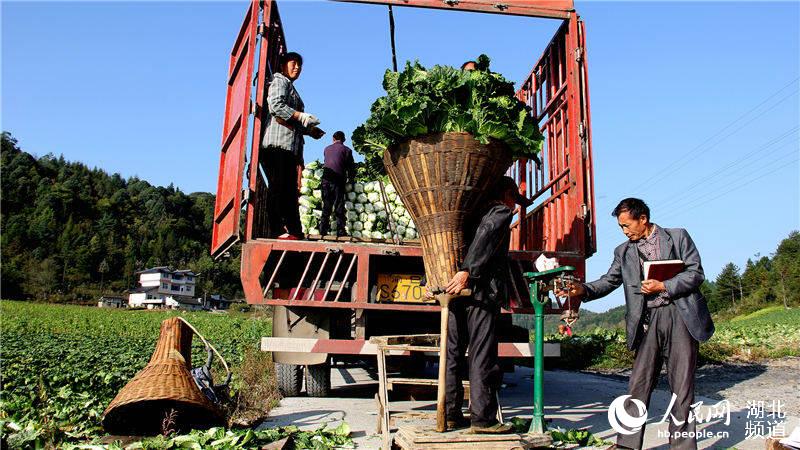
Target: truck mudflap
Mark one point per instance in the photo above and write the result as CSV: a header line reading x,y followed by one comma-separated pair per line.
x,y
299,324
363,347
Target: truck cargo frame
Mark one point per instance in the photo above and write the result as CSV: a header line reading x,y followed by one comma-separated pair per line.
x,y
325,290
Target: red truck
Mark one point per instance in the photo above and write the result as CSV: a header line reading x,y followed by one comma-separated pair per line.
x,y
329,297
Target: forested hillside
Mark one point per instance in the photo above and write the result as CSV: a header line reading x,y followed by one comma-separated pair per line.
x,y
71,233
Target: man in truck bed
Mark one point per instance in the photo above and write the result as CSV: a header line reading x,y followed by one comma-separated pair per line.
x,y
338,169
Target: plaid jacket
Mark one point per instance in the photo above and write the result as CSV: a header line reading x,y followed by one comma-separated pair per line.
x,y
283,100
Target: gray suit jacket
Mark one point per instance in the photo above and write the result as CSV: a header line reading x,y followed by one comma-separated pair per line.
x,y
683,289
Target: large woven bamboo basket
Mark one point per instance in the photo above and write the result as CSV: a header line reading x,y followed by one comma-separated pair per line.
x,y
442,179
163,395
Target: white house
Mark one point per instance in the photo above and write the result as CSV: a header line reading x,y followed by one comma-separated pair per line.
x,y
164,287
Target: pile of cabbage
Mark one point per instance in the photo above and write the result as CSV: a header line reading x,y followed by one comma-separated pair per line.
x,y
367,213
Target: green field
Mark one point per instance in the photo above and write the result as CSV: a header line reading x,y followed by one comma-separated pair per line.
x,y
62,365
772,332
767,333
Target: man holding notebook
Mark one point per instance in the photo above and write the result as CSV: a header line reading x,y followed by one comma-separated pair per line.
x,y
666,315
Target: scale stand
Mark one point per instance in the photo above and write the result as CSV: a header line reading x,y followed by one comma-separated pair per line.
x,y
540,284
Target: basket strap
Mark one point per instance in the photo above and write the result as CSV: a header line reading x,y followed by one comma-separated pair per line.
x,y
208,345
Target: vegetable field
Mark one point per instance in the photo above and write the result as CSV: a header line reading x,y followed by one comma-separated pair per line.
x,y
62,365
767,333
772,332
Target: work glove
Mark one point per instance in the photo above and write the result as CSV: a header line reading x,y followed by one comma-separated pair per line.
x,y
308,120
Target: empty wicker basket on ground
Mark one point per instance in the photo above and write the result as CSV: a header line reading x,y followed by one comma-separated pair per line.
x,y
442,179
164,394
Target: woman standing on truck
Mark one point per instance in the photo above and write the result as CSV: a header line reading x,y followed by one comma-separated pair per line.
x,y
282,158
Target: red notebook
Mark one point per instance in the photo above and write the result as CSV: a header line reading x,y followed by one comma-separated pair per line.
x,y
662,270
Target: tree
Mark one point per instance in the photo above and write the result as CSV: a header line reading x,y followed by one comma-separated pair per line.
x,y
728,286
756,278
41,278
103,269
786,268
85,225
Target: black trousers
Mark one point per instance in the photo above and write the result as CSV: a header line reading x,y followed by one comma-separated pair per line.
x,y
666,340
282,193
473,324
332,200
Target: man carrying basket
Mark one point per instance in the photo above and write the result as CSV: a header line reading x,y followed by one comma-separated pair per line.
x,y
472,320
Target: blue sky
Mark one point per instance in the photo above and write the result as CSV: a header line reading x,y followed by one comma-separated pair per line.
x,y
694,105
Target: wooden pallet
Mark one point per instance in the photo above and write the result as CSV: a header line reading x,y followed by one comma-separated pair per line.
x,y
415,437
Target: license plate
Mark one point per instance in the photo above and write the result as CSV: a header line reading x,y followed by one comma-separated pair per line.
x,y
394,287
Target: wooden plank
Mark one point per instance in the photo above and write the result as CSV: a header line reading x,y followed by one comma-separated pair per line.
x,y
384,400
419,437
425,340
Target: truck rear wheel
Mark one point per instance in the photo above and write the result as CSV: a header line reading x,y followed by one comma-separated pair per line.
x,y
318,380
290,379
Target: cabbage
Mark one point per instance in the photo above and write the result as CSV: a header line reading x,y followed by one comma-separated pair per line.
x,y
351,216
348,205
303,209
411,234
351,196
368,187
356,234
358,226
387,235
318,174
317,194
308,173
373,197
390,189
379,205
377,235
314,165
358,187
305,190
313,184
401,230
317,213
381,214
368,226
362,217
372,217
307,201
362,198
369,208
348,187
313,231
359,207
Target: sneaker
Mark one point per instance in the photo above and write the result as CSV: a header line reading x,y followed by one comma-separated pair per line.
x,y
498,428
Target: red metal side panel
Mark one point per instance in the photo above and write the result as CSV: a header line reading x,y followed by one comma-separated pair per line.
x,y
234,135
562,218
272,45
